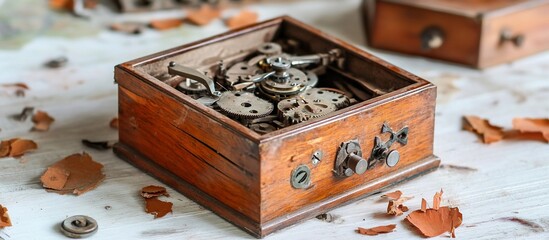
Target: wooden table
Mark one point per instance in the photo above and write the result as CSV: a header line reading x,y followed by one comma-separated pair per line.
x,y
491,184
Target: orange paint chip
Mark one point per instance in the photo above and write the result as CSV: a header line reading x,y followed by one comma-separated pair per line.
x,y
62,4
154,191
376,230
16,147
437,199
204,15
423,205
18,85
166,24
396,207
114,123
4,217
157,208
437,220
535,127
55,178
244,18
42,121
393,195
488,132
75,174
432,223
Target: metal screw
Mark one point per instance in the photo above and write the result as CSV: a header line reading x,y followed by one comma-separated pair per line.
x,y
79,226
317,156
301,177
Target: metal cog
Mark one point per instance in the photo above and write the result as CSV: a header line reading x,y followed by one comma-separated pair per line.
x,y
241,72
243,105
269,48
309,110
338,99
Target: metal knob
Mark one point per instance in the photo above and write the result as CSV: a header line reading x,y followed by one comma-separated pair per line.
x,y
358,164
392,158
507,36
432,38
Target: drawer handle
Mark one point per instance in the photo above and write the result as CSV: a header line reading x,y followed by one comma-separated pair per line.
x,y
382,150
507,35
431,38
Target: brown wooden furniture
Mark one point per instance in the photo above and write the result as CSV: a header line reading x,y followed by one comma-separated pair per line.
x,y
478,33
265,182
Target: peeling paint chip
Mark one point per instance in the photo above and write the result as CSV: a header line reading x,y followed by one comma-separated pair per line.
x,y
157,208
393,195
165,24
437,220
488,132
154,191
376,230
16,147
62,4
153,205
42,121
204,15
4,217
532,128
244,18
75,174
396,207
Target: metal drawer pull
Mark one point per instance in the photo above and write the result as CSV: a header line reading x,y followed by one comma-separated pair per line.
x,y
507,35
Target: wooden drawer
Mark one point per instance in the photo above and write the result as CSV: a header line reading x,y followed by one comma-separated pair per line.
x,y
263,182
511,35
478,33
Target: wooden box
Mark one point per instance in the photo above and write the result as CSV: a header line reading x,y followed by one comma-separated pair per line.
x,y
265,182
478,33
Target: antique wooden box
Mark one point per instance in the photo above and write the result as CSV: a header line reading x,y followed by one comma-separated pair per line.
x,y
263,181
478,33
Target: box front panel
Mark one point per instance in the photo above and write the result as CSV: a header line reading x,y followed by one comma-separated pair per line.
x,y
515,35
425,32
281,158
157,127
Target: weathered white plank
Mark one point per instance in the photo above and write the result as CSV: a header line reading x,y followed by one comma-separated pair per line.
x,y
510,179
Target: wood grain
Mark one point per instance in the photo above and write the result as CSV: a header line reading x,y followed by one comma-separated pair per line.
x,y
399,27
532,23
258,186
508,180
471,29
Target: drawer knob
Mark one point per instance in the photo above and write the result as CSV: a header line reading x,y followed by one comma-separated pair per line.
x,y
431,38
349,160
507,35
358,164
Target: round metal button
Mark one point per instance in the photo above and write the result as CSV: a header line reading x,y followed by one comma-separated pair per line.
x,y
79,226
392,158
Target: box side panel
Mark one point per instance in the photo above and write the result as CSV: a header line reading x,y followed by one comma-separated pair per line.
x,y
399,28
213,133
279,157
171,134
532,25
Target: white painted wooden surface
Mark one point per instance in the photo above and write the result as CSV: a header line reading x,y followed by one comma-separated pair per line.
x,y
511,179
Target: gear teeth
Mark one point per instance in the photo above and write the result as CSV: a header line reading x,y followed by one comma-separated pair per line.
x,y
243,105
